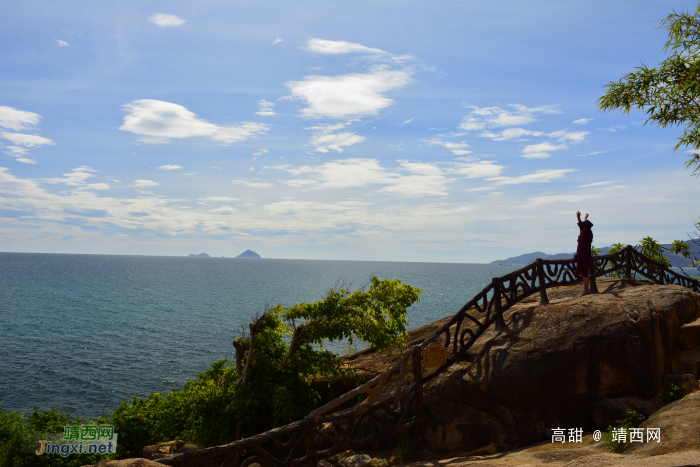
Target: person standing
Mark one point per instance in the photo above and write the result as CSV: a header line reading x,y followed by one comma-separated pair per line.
x,y
583,251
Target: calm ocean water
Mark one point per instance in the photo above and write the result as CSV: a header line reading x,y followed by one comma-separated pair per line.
x,y
82,332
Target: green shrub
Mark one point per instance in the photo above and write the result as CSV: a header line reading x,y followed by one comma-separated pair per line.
x,y
17,434
629,420
671,394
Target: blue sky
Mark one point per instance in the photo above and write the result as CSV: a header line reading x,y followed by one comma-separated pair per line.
x,y
385,130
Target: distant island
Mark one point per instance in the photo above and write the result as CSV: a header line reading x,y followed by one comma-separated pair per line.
x,y
676,260
249,254
201,254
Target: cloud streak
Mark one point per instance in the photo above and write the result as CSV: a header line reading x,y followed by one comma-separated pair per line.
x,y
326,47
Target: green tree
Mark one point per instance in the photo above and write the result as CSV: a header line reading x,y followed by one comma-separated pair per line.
x,y
283,351
654,250
277,358
669,92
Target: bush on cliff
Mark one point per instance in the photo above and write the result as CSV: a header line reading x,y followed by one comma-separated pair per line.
x,y
18,432
277,358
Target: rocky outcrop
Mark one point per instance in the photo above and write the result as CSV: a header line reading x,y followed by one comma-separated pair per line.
x,y
159,451
607,412
552,364
679,423
135,462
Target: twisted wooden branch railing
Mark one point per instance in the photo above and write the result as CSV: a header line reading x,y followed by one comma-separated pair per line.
x,y
388,409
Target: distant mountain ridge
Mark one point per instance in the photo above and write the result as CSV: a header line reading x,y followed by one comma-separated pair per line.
x,y
527,258
201,254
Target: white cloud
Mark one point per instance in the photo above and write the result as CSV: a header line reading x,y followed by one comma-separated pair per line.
x,y
582,121
613,128
493,117
259,153
539,151
265,108
537,155
29,141
599,183
19,153
98,186
327,47
593,153
165,20
76,178
424,178
144,183
218,198
60,43
427,180
84,208
325,140
341,174
14,119
481,169
251,184
159,121
510,133
223,210
334,141
348,96
541,176
277,41
408,121
169,167
458,149
573,136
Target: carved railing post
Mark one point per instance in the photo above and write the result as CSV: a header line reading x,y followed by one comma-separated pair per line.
x,y
628,262
591,277
498,308
311,445
544,300
418,378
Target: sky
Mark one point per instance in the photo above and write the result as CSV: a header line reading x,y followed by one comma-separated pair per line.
x,y
348,130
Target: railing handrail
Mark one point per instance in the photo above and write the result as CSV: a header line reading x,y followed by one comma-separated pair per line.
x,y
506,291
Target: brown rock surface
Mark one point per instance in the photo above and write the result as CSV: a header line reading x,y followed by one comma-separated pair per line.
x,y
588,453
679,423
135,462
551,365
158,451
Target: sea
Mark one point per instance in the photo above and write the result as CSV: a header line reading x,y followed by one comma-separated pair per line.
x,y
83,332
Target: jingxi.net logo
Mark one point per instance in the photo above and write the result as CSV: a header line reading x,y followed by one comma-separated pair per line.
x,y
78,439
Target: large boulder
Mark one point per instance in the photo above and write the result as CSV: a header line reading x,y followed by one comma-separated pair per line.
x,y
552,364
159,451
607,412
679,423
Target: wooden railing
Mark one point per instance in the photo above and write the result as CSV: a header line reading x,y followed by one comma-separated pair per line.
x,y
393,402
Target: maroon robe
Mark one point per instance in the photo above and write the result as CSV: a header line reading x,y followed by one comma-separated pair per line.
x,y
583,251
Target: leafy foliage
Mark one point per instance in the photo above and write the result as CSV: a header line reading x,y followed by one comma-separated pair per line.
x,y
654,250
629,420
671,394
288,353
269,384
17,434
669,92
